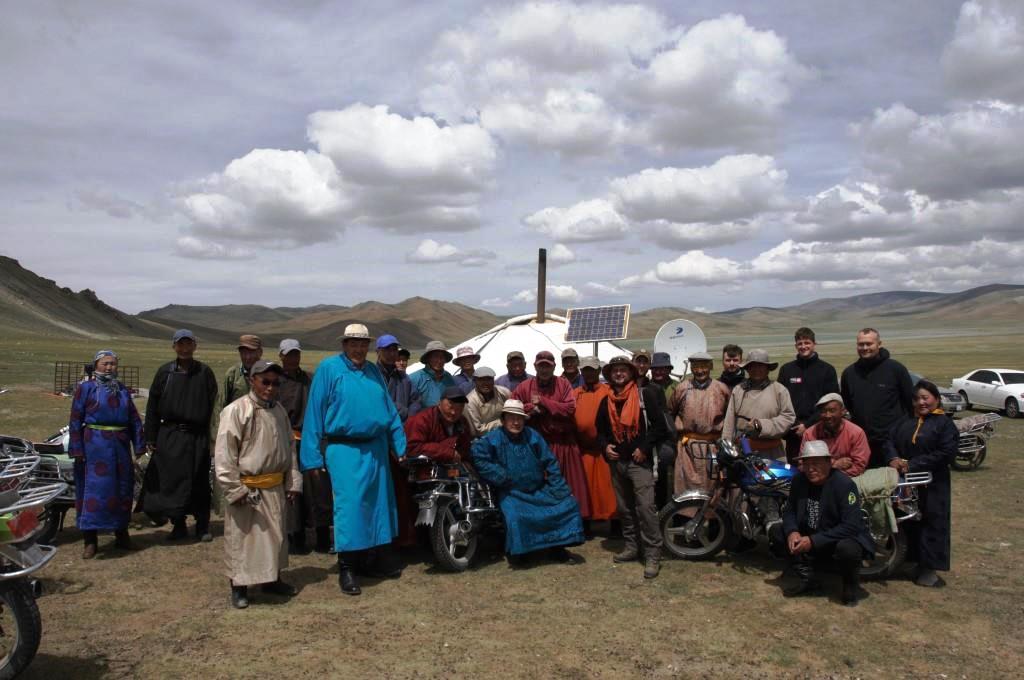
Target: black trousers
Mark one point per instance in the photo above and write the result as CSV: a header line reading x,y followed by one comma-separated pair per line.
x,y
845,553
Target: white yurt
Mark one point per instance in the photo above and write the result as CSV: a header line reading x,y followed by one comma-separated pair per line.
x,y
524,334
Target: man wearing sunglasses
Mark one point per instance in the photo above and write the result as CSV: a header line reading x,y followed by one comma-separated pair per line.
x,y
258,473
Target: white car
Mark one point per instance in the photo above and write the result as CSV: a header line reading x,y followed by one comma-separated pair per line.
x,y
999,388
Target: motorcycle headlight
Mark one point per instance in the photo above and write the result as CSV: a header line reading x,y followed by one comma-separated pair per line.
x,y
727,450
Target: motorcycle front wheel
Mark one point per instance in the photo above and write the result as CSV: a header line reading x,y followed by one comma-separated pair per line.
x,y
890,553
453,548
682,537
20,627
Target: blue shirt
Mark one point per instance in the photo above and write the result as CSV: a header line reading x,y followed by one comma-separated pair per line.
x,y
429,387
510,383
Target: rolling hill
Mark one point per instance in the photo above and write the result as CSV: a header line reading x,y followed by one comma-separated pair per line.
x,y
31,303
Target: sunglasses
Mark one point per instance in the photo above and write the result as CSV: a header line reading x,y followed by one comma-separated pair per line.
x,y
270,383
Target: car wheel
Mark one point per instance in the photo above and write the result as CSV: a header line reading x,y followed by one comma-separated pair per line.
x,y
1012,408
967,402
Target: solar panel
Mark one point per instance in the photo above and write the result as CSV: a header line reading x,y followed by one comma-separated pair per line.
x,y
593,324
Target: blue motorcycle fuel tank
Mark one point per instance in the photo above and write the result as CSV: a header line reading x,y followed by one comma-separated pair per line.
x,y
774,472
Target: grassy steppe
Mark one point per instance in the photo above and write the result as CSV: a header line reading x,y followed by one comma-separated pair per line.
x,y
163,611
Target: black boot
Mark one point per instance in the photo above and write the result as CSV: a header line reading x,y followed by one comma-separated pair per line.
x,y
348,580
239,596
323,540
179,531
122,540
279,587
851,586
297,543
381,562
808,584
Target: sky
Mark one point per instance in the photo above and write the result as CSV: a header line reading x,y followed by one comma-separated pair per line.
x,y
708,155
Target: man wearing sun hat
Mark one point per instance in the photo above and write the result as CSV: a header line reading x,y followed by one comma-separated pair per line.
x,y
259,475
350,428
760,408
539,509
822,522
466,359
431,380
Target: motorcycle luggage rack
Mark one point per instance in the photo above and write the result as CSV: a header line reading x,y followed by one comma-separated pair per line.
x,y
915,479
35,495
698,449
14,468
31,560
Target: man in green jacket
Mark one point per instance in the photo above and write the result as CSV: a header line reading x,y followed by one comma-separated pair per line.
x,y
236,384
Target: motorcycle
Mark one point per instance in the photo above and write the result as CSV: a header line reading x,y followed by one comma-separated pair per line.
x,y
974,435
746,500
55,465
457,506
21,504
891,543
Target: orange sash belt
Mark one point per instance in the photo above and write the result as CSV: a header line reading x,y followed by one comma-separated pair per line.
x,y
709,437
265,481
764,444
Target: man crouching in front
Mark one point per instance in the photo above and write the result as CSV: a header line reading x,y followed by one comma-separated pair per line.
x,y
822,521
257,471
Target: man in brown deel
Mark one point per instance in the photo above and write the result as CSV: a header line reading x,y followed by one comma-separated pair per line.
x,y
317,506
698,406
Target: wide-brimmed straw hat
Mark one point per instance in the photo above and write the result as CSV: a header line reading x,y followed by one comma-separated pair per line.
x,y
514,406
466,353
435,346
621,360
759,356
355,331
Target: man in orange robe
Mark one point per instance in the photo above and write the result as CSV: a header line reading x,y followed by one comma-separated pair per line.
x,y
599,477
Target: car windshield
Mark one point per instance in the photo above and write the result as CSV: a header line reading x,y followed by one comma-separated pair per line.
x,y
1012,378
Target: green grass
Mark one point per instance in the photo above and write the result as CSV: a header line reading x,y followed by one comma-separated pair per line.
x,y
163,611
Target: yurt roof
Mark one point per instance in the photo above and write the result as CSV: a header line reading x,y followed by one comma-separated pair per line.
x,y
523,333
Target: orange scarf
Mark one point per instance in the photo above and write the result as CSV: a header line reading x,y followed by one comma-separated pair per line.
x,y
625,424
920,422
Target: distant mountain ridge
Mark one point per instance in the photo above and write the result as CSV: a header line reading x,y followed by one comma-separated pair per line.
x,y
32,303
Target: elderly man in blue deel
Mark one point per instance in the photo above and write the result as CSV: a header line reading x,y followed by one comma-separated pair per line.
x,y
351,426
539,509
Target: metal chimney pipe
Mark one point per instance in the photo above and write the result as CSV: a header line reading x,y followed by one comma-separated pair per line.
x,y
542,283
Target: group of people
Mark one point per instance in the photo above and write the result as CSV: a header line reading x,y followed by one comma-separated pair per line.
x,y
601,441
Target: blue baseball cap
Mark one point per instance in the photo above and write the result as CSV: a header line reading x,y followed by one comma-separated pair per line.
x,y
386,341
181,334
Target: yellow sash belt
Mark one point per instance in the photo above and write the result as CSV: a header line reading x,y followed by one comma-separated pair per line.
x,y
106,428
265,481
709,437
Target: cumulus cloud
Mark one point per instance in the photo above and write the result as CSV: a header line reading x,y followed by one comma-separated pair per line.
x,y
951,155
496,302
593,220
200,249
561,254
985,59
555,292
430,251
694,268
601,288
585,78
372,167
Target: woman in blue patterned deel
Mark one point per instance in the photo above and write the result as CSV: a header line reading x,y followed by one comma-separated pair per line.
x,y
104,428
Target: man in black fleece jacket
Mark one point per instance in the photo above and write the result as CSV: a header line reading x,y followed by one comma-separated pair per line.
x,y
808,379
877,391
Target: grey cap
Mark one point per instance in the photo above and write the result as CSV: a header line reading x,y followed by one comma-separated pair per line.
x,y
700,356
484,372
569,352
289,345
759,356
814,448
454,393
831,396
182,334
262,366
590,362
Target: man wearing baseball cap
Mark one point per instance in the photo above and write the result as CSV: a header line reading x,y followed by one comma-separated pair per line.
x,y
846,441
177,427
440,432
551,407
350,428
515,364
259,475
400,387
571,367
236,380
483,410
822,522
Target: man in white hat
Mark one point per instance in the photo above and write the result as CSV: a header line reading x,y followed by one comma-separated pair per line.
x,y
466,359
698,405
431,380
483,410
539,509
258,473
760,408
822,521
846,441
350,428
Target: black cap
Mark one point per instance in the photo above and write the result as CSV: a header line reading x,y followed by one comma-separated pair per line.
x,y
262,366
454,393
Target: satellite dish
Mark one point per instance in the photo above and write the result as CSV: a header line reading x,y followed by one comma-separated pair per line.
x,y
679,339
